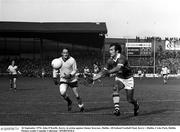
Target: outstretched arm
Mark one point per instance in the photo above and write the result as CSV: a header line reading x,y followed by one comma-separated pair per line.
x,y
105,72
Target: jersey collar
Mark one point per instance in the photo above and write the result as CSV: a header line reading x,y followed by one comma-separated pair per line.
x,y
66,59
117,57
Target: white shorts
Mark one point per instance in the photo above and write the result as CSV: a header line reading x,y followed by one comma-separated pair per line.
x,y
128,83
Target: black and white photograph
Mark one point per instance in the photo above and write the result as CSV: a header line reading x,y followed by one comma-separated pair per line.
x,y
89,65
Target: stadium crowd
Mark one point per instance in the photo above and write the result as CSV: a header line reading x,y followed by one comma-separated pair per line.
x,y
34,67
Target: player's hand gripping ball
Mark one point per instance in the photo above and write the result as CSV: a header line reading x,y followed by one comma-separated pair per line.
x,y
56,63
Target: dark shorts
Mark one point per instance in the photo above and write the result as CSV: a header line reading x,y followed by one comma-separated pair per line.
x,y
165,74
12,76
71,84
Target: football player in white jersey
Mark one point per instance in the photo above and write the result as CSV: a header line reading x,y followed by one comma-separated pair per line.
x,y
13,71
178,73
68,78
164,72
140,74
96,70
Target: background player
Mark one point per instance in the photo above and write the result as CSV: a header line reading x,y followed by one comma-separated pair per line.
x,y
68,78
164,72
96,70
140,74
86,72
13,71
118,64
178,73
43,73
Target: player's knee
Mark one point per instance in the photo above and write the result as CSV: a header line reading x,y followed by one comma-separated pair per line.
x,y
115,89
62,90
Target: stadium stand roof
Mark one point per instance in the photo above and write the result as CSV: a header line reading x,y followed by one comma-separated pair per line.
x,y
82,33
52,27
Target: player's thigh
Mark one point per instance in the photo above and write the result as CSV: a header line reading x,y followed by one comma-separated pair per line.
x,y
74,87
129,94
118,85
63,88
14,80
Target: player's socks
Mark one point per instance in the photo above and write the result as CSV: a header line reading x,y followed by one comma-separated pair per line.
x,y
136,108
80,104
69,102
14,89
116,99
116,110
67,98
79,100
14,86
70,106
116,106
81,107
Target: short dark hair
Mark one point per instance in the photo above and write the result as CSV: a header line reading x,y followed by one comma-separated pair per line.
x,y
65,49
117,47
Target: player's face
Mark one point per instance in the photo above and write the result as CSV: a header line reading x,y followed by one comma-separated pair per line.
x,y
13,62
65,54
112,51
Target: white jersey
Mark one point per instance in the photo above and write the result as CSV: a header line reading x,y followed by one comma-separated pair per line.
x,y
68,67
178,72
12,70
164,70
139,72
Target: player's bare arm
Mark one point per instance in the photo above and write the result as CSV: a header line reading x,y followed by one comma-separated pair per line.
x,y
106,72
115,69
18,71
55,75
